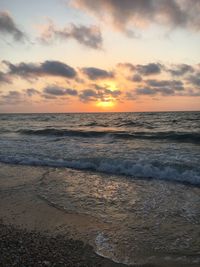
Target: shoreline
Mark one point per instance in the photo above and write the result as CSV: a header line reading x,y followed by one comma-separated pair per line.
x,y
20,247
27,217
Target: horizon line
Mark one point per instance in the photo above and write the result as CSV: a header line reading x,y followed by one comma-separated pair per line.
x,y
99,112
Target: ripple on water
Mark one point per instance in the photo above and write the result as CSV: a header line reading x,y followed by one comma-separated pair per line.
x,y
149,220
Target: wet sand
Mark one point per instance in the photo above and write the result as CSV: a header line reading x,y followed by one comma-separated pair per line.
x,y
27,248
34,233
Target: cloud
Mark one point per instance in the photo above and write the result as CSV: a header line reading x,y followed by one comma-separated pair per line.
x,y
163,87
145,91
52,68
126,65
88,95
15,94
95,73
89,36
16,97
136,78
130,96
139,70
174,84
59,91
100,93
180,69
114,93
143,13
8,26
149,69
4,78
164,91
194,79
31,92
193,93
12,97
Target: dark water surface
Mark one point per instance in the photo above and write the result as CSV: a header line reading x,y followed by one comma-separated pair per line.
x,y
164,146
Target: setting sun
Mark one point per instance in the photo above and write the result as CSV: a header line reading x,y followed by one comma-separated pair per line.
x,y
106,104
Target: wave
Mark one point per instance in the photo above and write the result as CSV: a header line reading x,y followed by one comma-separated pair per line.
x,y
63,132
170,136
134,170
95,124
131,123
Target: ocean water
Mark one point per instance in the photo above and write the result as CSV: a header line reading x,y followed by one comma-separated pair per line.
x,y
163,146
137,172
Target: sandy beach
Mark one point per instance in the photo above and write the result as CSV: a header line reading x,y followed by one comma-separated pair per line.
x,y
20,247
35,233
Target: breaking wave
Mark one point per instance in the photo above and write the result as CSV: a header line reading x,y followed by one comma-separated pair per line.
x,y
171,135
134,170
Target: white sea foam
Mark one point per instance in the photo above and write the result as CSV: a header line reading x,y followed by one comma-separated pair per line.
x,y
132,169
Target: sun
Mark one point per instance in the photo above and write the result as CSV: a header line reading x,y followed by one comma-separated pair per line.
x,y
106,103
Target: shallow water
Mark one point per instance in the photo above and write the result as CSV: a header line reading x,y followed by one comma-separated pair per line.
x,y
126,220
138,173
148,220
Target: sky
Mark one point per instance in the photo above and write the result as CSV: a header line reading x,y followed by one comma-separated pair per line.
x,y
99,55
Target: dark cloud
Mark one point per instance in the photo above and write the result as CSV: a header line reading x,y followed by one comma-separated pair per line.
x,y
136,78
95,73
101,93
142,13
31,92
163,87
89,36
8,26
149,69
58,69
142,70
12,97
59,91
88,95
111,93
165,91
105,90
174,84
194,79
180,70
145,91
54,68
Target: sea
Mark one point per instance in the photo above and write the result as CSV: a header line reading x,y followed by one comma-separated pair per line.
x,y
139,172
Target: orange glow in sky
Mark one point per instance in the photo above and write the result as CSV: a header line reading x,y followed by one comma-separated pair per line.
x,y
107,105
76,56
